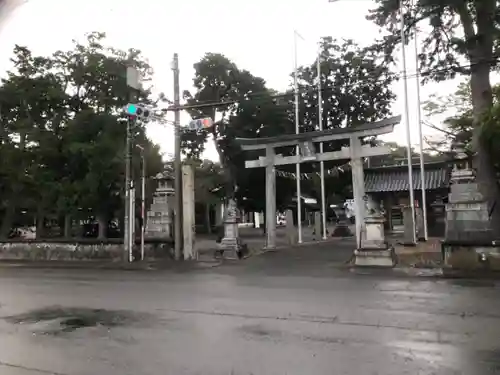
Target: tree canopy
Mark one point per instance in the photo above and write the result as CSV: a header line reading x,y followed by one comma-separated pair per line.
x,y
355,85
459,37
62,138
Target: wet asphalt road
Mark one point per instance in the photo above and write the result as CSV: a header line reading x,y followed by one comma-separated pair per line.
x,y
282,313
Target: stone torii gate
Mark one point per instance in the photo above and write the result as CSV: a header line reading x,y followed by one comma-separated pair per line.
x,y
355,152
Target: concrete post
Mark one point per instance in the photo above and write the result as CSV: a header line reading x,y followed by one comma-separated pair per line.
x,y
188,212
270,199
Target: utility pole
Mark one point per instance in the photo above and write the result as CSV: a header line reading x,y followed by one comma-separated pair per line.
x,y
126,224
143,198
133,83
177,161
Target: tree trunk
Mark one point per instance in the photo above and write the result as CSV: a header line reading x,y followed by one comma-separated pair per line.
x,y
7,219
207,218
485,172
67,226
102,225
40,223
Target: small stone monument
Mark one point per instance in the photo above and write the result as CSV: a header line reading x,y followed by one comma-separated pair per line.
x,y
408,226
342,227
467,228
375,251
159,220
231,246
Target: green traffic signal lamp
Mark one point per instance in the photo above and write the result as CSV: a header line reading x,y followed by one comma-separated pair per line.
x,y
131,109
138,111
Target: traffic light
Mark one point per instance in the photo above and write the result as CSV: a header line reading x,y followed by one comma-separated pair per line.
x,y
201,123
138,111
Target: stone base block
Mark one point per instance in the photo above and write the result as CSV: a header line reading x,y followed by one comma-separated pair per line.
x,y
375,258
471,257
342,231
232,248
373,244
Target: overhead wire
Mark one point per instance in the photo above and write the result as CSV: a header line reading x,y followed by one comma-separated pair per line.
x,y
302,90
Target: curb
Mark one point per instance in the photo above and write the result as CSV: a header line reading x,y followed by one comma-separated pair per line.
x,y
51,265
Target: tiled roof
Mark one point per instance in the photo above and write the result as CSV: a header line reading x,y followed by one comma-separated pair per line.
x,y
384,180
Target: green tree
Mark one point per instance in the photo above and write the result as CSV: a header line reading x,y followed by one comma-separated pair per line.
x,y
31,111
458,126
254,113
61,123
208,180
463,39
355,84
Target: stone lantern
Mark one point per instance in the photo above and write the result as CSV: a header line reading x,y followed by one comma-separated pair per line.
x,y
159,216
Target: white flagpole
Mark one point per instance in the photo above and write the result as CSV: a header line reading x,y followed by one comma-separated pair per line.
x,y
420,135
321,163
297,166
407,123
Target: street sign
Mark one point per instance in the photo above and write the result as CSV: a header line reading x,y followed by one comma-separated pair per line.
x,y
201,123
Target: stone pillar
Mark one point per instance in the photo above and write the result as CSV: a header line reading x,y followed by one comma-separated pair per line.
x,y
358,186
291,232
408,226
374,251
270,199
388,203
420,223
188,224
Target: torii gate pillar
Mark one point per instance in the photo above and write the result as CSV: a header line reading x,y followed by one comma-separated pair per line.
x,y
270,199
358,186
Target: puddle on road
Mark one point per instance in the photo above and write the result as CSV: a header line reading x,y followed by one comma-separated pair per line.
x,y
469,283
490,360
55,320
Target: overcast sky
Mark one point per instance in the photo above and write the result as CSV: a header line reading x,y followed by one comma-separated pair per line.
x,y
257,35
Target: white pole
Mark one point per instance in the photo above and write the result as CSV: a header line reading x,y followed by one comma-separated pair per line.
x,y
421,138
321,163
407,123
143,204
297,166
